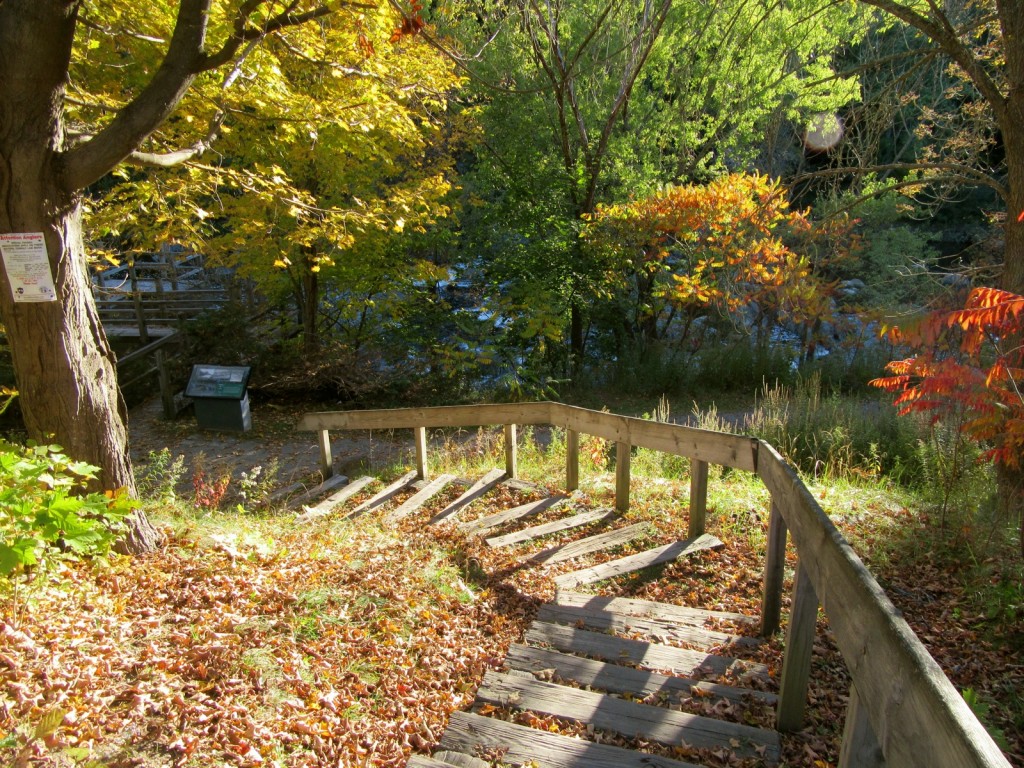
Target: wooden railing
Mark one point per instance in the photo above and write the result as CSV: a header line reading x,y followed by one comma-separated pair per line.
x,y
903,710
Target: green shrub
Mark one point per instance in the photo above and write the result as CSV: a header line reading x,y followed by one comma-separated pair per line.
x,y
44,511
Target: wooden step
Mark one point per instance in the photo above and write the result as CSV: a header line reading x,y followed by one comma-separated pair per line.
x,y
562,524
596,543
523,511
637,562
418,499
629,606
461,759
326,506
649,655
584,617
627,718
328,485
474,492
546,664
517,744
447,759
384,495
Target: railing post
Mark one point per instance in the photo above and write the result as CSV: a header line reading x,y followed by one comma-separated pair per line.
x,y
796,666
164,381
326,460
420,438
140,315
774,572
511,456
860,745
572,460
622,457
698,497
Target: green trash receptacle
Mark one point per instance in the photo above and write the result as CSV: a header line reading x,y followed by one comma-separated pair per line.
x,y
220,396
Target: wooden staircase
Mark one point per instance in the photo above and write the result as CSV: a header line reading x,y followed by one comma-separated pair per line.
x,y
614,669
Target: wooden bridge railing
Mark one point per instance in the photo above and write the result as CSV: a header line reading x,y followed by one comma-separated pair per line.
x,y
903,710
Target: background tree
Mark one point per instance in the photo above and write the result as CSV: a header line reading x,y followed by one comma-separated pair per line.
x,y
590,103
55,143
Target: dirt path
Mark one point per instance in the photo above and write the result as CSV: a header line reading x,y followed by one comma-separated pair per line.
x,y
273,439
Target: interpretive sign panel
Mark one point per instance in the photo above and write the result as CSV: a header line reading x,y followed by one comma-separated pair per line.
x,y
27,267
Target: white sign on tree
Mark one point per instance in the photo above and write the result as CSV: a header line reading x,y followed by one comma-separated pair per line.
x,y
27,266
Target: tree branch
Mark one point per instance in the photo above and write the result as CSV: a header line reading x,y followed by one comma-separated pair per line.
x,y
186,57
939,28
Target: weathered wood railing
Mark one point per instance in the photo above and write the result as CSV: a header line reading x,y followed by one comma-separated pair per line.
x,y
903,710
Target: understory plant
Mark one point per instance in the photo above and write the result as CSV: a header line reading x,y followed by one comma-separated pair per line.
x,y
45,511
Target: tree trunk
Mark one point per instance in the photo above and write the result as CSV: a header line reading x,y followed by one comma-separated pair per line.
x,y
65,370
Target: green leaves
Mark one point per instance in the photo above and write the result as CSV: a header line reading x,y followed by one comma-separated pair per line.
x,y
44,512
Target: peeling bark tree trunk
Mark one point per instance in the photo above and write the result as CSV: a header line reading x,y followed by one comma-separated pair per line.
x,y
65,371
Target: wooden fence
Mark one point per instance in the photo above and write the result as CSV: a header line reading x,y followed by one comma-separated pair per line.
x,y
903,710
149,301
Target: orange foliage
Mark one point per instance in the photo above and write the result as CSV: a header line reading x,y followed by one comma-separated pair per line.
x,y
970,360
728,243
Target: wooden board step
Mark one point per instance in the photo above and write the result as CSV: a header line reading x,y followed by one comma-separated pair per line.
x,y
584,617
580,547
474,492
384,495
418,499
629,606
563,524
328,485
627,718
546,664
326,506
523,511
447,759
462,760
637,562
517,744
646,654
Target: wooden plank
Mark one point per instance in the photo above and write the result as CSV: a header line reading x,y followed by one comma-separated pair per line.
x,y
614,678
920,718
421,761
420,439
511,452
666,554
622,474
627,718
568,551
629,606
418,499
461,760
447,760
442,416
517,744
323,439
562,524
521,512
796,663
318,490
643,653
384,495
162,340
698,498
479,489
585,618
859,747
714,447
572,460
774,573
326,506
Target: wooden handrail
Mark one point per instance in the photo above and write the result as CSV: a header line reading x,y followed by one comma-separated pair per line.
x,y
904,710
